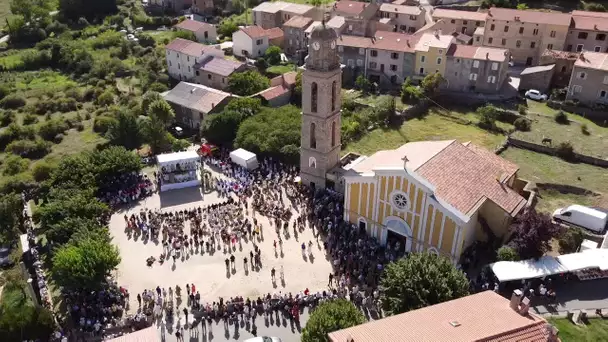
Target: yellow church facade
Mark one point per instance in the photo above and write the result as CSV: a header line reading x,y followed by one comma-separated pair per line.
x,y
430,194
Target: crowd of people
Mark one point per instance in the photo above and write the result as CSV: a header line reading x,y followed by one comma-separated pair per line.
x,y
127,188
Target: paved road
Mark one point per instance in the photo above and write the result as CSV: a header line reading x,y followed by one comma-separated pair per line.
x,y
216,332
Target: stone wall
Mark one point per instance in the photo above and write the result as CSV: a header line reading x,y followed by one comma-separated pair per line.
x,y
553,151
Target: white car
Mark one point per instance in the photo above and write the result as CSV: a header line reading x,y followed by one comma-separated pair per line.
x,y
536,95
263,339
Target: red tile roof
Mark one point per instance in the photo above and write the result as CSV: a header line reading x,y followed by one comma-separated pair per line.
x,y
461,15
464,177
478,52
254,31
596,21
187,47
290,78
351,7
220,66
298,22
354,41
484,316
534,17
274,33
592,60
193,25
402,9
394,41
273,92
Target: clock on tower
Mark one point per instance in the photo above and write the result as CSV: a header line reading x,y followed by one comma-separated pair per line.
x,y
321,117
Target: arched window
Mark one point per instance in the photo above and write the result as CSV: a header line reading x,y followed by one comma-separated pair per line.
x,y
333,134
313,137
313,97
312,162
334,89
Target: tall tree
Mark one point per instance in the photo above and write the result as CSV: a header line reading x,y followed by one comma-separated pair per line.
x,y
247,83
331,316
84,264
11,208
161,110
31,9
532,233
431,83
420,280
155,134
273,55
125,131
149,97
70,203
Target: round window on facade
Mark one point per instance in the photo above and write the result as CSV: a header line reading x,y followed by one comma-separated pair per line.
x,y
400,200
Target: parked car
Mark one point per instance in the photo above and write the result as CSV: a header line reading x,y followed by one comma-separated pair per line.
x,y
5,261
584,217
536,95
263,339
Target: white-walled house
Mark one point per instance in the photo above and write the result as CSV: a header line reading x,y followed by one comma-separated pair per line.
x,y
251,42
204,32
182,55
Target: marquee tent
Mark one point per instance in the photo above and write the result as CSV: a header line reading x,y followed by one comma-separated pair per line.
x,y
178,170
244,158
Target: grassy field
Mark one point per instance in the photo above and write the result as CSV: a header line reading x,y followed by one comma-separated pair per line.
x,y
596,330
371,99
277,70
593,144
430,127
5,10
543,168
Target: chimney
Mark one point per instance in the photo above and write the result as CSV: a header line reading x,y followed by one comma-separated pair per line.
x,y
516,299
212,104
524,306
552,333
595,26
487,55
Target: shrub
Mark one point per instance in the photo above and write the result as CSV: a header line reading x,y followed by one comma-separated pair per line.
x,y
570,240
180,145
29,119
12,101
6,118
157,87
522,109
595,7
14,164
4,91
102,124
29,148
561,118
585,129
507,253
58,138
487,117
522,124
106,98
48,130
79,127
42,170
565,150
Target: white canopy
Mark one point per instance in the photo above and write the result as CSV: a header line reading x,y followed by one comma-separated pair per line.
x,y
171,158
244,158
242,154
527,269
548,265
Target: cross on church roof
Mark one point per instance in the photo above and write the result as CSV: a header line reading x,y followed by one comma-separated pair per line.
x,y
405,160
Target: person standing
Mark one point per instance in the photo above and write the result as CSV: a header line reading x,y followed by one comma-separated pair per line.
x,y
139,299
179,337
186,314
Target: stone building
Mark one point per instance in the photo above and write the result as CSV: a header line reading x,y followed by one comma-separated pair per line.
x,y
321,118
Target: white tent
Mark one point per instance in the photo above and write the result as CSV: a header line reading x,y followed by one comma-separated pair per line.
x,y
527,269
592,258
244,158
177,157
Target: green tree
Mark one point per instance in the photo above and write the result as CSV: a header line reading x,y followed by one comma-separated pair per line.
x,y
363,84
61,232
149,97
270,131
507,253
297,93
11,208
84,264
221,129
43,170
487,117
246,106
273,55
124,131
595,7
106,98
185,35
431,83
570,240
247,83
532,234
154,133
227,28
436,280
30,9
331,316
161,110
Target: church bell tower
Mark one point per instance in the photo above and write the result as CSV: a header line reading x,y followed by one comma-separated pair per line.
x,y
321,117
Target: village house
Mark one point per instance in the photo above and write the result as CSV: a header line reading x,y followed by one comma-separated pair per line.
x,y
465,22
271,14
280,91
484,316
588,32
476,68
526,33
252,41
358,16
296,42
431,50
203,7
182,55
391,58
589,79
353,53
204,32
564,63
433,194
404,19
193,102
214,71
